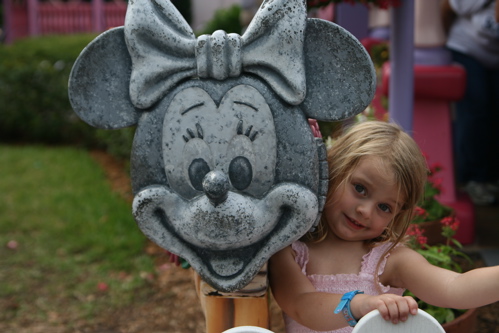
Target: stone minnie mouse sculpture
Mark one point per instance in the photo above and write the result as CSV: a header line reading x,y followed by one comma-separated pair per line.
x,y
224,167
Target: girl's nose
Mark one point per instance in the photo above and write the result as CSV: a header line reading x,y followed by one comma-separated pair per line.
x,y
216,187
365,209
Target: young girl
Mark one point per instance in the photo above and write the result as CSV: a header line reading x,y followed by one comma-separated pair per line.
x,y
377,176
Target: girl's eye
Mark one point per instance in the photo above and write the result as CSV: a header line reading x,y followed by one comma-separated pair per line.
x,y
360,189
385,208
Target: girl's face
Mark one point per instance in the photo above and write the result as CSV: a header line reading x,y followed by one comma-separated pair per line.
x,y
363,207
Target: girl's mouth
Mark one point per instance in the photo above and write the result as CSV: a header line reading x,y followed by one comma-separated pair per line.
x,y
354,224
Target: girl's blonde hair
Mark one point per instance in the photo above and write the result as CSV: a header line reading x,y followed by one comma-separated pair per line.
x,y
397,152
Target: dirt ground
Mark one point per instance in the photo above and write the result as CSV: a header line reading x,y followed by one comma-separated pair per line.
x,y
175,307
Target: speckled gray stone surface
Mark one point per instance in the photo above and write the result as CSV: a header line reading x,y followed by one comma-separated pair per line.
x,y
225,169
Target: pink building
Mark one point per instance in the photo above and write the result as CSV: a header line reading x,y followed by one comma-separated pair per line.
x,y
24,18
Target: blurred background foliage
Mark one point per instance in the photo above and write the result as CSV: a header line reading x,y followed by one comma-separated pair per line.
x,y
226,19
34,75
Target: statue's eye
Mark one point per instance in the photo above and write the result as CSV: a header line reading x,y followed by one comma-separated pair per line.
x,y
197,170
240,172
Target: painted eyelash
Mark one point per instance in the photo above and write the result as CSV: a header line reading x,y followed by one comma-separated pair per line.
x,y
248,133
192,135
246,104
192,107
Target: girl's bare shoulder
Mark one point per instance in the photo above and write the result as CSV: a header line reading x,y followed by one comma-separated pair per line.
x,y
399,258
401,254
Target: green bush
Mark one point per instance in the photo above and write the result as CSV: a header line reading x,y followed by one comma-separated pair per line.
x,y
226,19
33,90
117,142
34,101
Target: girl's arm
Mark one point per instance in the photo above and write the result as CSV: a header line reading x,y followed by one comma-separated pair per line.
x,y
298,298
440,287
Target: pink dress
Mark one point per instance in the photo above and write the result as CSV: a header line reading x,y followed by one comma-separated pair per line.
x,y
342,283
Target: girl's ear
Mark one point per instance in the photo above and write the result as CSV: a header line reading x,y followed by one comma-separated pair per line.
x,y
99,83
341,79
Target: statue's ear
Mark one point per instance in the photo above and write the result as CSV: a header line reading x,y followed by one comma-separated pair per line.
x,y
341,79
99,83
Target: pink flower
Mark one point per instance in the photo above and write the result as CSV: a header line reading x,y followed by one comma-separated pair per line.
x,y
314,126
174,258
102,286
12,244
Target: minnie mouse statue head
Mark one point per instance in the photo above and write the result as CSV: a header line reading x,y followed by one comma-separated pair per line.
x,y
225,169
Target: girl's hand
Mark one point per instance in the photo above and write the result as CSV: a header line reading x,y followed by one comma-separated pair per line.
x,y
391,307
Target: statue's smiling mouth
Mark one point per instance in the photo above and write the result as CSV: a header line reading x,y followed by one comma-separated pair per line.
x,y
224,243
231,262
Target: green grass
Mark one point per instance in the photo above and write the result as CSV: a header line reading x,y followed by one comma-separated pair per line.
x,y
72,233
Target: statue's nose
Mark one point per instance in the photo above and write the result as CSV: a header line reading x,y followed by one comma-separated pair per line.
x,y
216,186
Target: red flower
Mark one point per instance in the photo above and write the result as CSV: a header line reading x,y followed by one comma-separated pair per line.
x,y
422,240
450,222
418,211
417,234
436,167
414,230
102,286
437,183
447,220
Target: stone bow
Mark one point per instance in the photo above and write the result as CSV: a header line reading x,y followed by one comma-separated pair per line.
x,y
165,51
